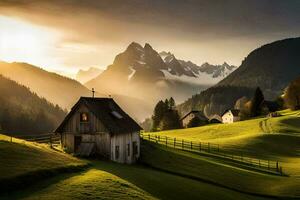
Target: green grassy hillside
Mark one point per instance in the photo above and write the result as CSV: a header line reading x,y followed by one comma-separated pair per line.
x,y
24,162
217,171
267,138
166,173
263,136
102,180
107,180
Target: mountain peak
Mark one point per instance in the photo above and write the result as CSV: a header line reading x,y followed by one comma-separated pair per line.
x,y
135,45
148,46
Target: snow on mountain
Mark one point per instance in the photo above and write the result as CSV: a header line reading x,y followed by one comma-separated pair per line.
x,y
132,73
186,71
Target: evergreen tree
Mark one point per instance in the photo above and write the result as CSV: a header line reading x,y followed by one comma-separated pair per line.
x,y
158,114
167,104
171,120
256,103
165,116
172,103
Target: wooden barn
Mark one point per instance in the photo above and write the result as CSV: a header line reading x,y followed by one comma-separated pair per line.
x,y
99,126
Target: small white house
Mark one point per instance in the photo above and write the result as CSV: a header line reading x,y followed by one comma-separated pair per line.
x,y
230,116
98,126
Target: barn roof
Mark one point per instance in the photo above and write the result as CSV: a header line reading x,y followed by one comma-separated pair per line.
x,y
108,112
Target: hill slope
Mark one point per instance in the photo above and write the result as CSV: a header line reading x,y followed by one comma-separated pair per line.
x,y
104,180
65,91
22,111
85,75
55,88
271,67
20,159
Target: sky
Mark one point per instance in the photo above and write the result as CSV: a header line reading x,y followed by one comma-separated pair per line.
x,y
67,35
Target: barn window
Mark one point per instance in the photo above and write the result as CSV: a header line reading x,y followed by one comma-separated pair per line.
x,y
117,152
84,117
135,148
128,149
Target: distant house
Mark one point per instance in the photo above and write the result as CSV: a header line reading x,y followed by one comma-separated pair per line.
x,y
99,126
230,116
194,113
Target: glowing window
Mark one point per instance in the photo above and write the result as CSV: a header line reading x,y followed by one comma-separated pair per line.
x,y
84,117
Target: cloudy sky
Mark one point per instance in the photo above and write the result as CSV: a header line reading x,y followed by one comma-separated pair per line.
x,y
65,35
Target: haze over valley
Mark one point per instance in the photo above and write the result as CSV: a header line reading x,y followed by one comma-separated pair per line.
x,y
149,99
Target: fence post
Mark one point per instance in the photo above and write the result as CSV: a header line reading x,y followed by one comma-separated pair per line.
x,y
166,141
277,169
174,143
182,144
156,139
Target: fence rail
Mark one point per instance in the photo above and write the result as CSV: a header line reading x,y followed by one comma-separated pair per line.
x,y
50,138
213,149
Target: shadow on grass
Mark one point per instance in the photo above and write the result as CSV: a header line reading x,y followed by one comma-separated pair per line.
x,y
270,146
21,190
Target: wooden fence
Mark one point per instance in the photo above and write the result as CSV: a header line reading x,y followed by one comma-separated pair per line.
x,y
213,150
49,138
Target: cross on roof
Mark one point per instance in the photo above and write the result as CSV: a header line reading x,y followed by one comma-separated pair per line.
x,y
93,92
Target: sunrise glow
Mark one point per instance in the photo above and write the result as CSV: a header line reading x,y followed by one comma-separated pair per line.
x,y
21,41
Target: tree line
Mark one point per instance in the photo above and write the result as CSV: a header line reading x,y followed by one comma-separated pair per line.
x,y
23,112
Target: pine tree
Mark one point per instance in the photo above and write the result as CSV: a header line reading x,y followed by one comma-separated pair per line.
x,y
256,103
158,114
172,103
167,104
171,120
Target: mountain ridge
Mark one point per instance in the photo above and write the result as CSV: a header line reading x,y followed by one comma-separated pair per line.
x,y
141,72
271,67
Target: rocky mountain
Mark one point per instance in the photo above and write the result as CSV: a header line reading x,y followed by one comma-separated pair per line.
x,y
190,72
84,76
23,112
142,72
64,91
270,67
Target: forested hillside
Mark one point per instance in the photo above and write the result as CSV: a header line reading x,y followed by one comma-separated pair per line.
x,y
55,88
215,99
271,67
23,112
